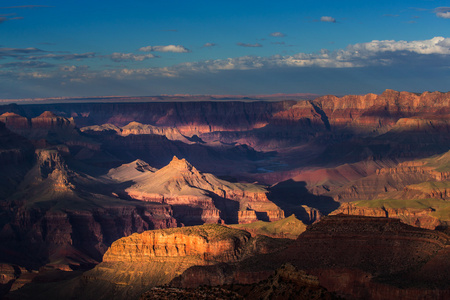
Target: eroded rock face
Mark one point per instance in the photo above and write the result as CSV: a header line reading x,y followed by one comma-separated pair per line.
x,y
138,262
375,245
207,242
199,197
419,217
57,219
361,257
15,121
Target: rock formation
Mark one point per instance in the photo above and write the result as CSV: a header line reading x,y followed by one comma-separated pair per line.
x,y
352,256
197,197
66,194
286,283
135,264
57,217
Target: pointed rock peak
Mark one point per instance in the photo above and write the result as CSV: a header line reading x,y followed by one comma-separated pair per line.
x,y
11,114
48,114
180,164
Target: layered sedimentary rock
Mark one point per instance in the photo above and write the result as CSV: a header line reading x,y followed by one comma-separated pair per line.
x,y
138,262
356,257
50,120
136,128
417,192
15,121
419,217
200,197
58,218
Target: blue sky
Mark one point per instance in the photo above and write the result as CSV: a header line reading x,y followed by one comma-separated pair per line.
x,y
94,48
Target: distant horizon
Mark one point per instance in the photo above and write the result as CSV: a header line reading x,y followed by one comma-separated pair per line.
x,y
185,97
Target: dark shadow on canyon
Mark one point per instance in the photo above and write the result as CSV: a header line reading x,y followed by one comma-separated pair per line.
x,y
290,195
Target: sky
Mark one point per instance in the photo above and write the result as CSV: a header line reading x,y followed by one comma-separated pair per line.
x,y
142,48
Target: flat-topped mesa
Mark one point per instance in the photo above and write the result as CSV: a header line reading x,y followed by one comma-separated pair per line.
x,y
49,120
376,245
418,217
204,244
374,113
14,121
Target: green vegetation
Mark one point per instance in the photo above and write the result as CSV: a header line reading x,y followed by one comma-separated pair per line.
x,y
210,232
430,185
290,227
440,162
441,208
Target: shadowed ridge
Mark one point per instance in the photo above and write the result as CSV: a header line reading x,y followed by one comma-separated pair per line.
x,y
10,115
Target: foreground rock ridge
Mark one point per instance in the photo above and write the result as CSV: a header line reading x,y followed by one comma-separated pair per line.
x,y
135,264
352,257
76,178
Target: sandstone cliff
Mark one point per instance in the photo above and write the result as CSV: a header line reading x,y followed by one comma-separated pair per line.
x,y
138,262
360,257
136,128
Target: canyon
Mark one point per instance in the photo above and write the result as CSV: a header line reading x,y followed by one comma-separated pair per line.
x,y
76,177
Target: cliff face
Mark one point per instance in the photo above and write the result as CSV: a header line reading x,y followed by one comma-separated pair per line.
x,y
136,128
138,262
193,116
56,218
419,217
207,242
15,121
352,256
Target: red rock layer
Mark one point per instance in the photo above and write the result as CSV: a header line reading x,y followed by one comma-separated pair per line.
x,y
355,257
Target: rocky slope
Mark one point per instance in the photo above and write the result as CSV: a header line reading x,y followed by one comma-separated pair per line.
x,y
286,283
135,264
415,191
355,257
59,217
201,197
350,256
383,153
289,227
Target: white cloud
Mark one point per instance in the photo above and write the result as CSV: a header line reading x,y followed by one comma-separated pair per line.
x,y
443,12
118,57
436,45
168,48
328,19
209,45
374,53
387,53
277,34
